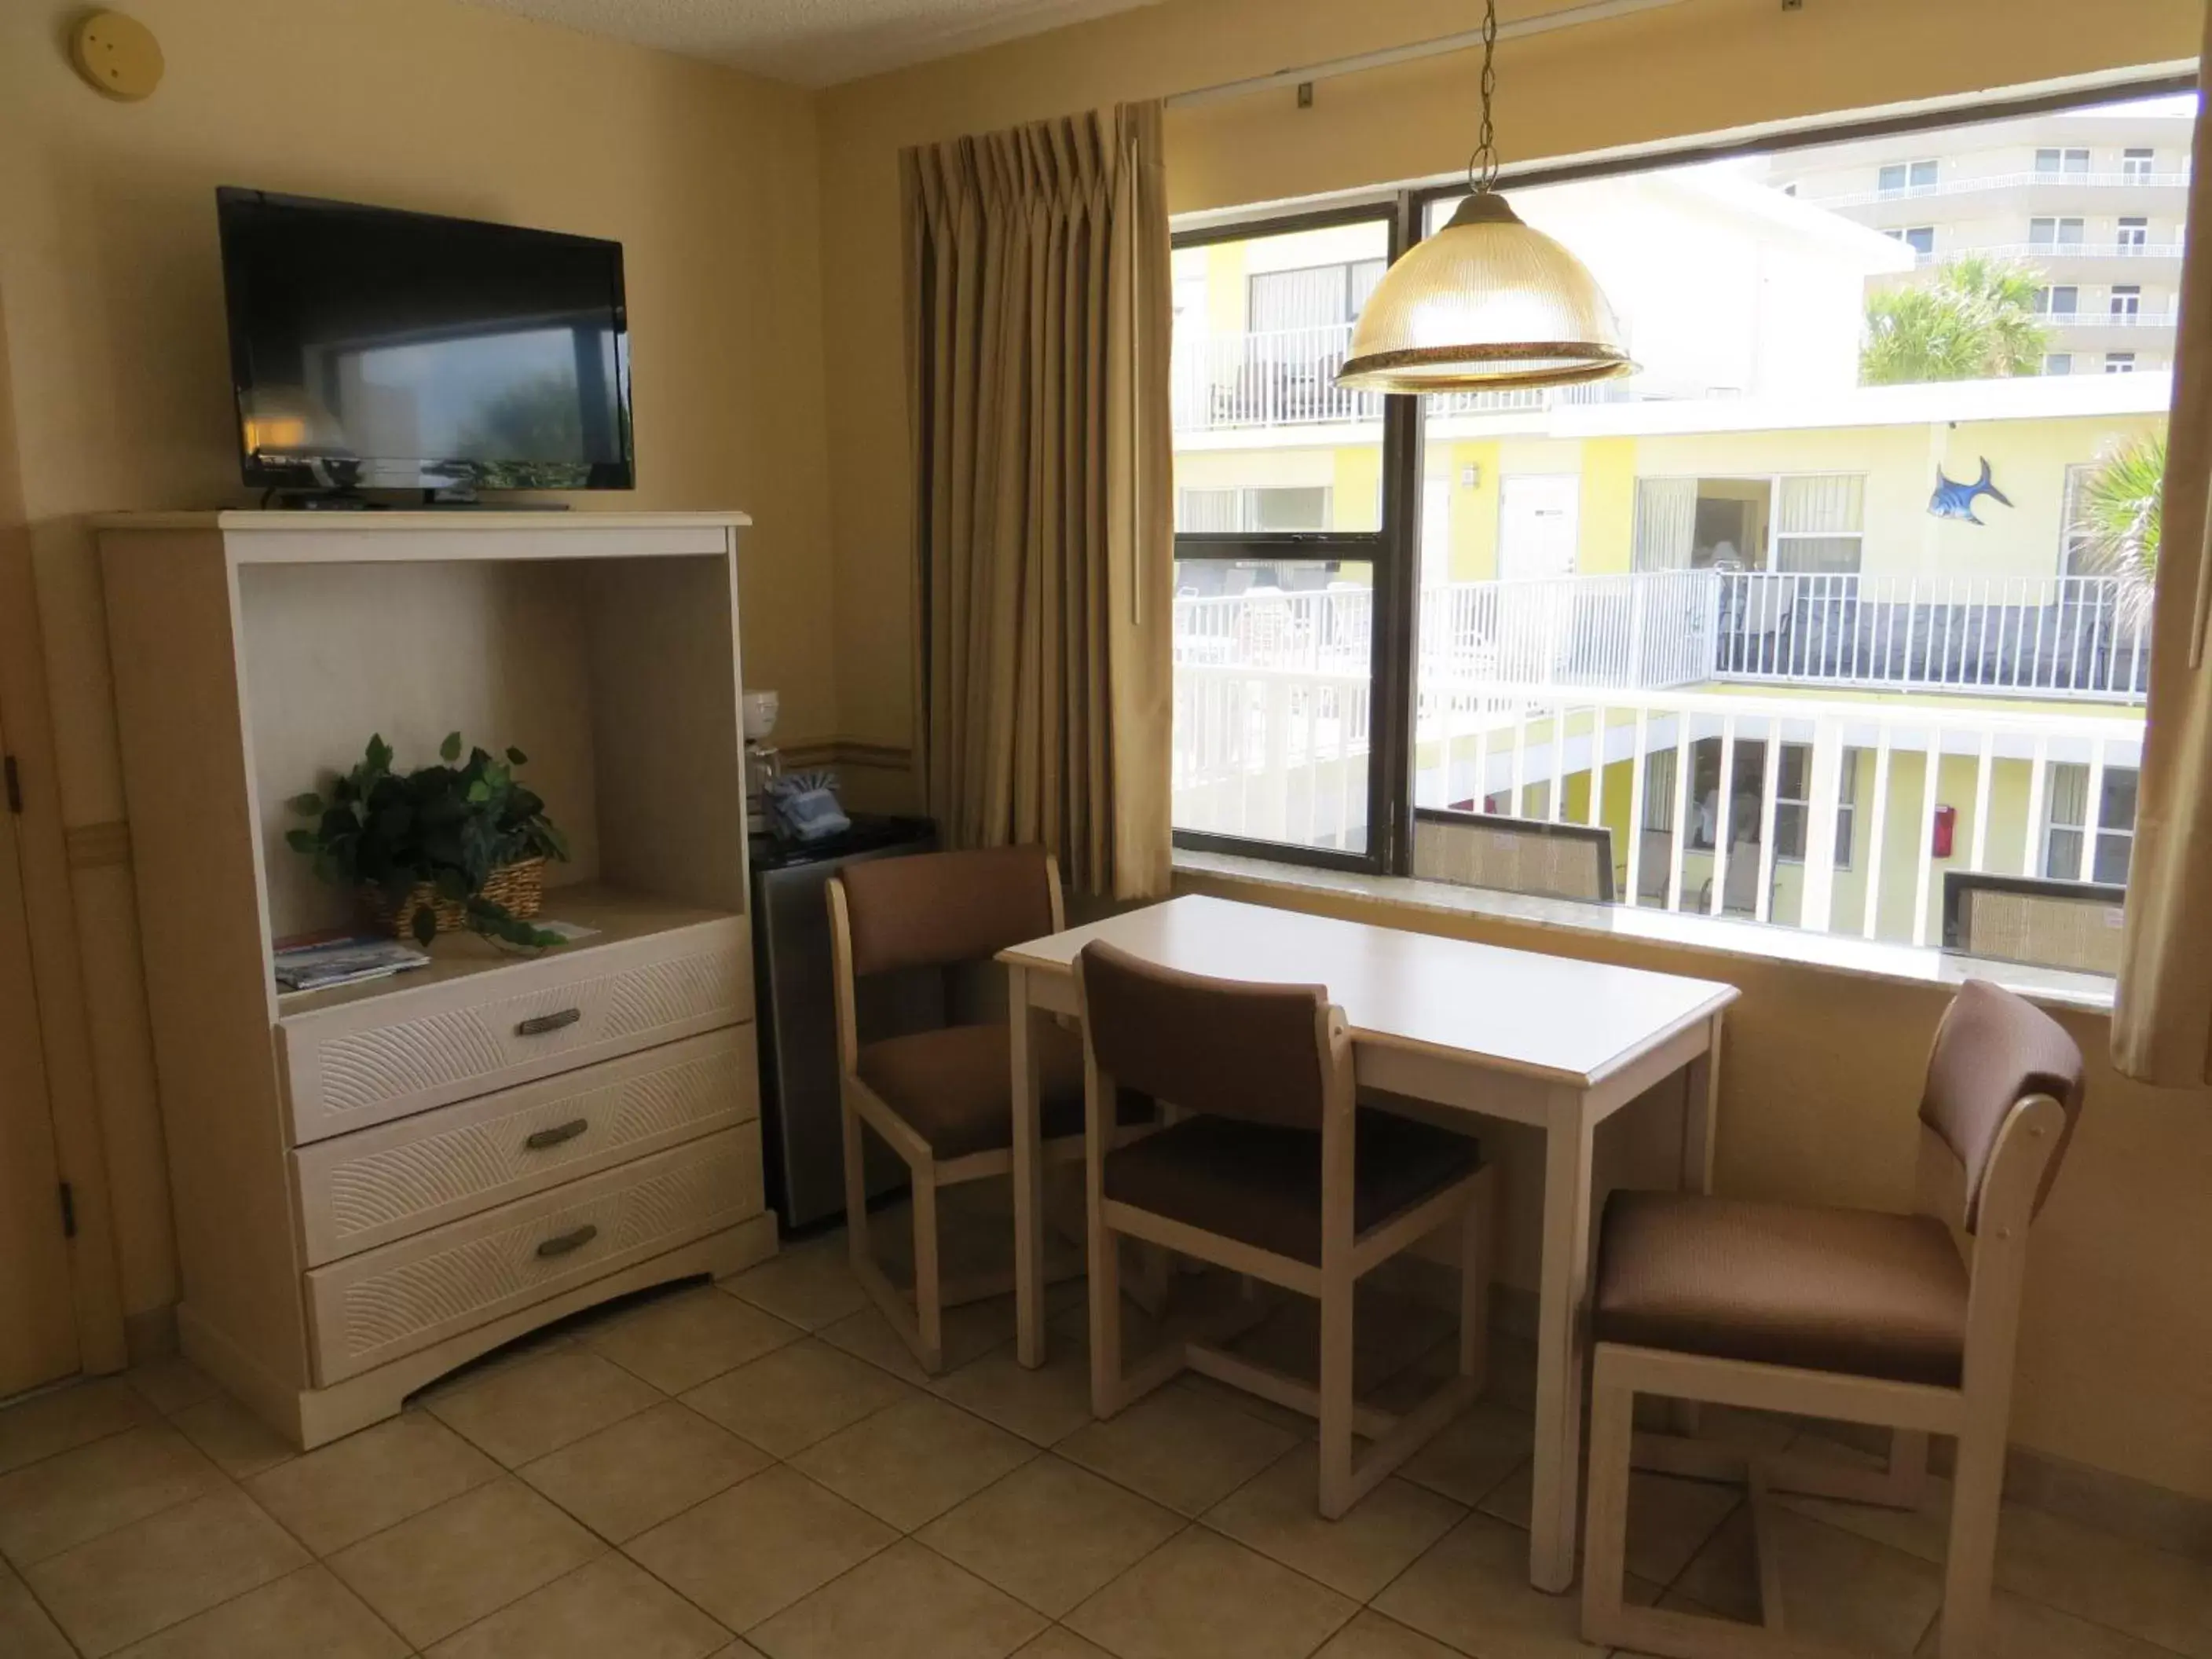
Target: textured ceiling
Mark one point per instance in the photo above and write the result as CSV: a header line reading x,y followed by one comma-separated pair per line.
x,y
815,43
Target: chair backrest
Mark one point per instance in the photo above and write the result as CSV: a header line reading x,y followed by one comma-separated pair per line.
x,y
939,909
2050,924
1261,1053
1993,1050
1655,856
1514,855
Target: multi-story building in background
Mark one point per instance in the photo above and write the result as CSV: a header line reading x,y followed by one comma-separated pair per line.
x,y
2091,200
1735,595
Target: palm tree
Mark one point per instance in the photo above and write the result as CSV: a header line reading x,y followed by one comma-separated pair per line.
x,y
1975,321
2117,518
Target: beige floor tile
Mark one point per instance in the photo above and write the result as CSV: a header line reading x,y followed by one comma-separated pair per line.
x,y
809,1285
471,1556
2021,1629
525,1412
305,1614
340,1493
970,1332
611,1607
236,1441
68,1417
1370,1636
1180,1447
1044,1406
1277,1513
169,1385
51,1505
678,1341
1058,1643
1669,1519
1051,1533
748,1554
637,1472
1202,1596
912,1462
1471,1592
1835,1587
25,1632
153,1573
1296,1423
906,1603
1474,1452
785,1402
2162,1598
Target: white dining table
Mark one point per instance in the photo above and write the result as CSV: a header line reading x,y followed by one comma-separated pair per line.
x,y
1550,1042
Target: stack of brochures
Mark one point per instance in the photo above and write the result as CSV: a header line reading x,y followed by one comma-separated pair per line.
x,y
316,965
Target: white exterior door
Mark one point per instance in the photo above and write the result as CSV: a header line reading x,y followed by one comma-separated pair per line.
x,y
1536,523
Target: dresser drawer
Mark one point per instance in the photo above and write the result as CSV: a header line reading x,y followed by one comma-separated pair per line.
x,y
364,1062
361,1190
388,1302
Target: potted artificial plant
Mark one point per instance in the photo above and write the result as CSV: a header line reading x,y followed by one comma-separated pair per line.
x,y
462,844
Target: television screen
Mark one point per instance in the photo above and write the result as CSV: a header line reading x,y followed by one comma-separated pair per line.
x,y
378,349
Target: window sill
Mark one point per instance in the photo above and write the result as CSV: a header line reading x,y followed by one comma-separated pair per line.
x,y
1896,964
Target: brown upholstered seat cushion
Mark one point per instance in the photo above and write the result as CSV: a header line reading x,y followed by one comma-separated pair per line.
x,y
1851,1290
1261,1183
954,1087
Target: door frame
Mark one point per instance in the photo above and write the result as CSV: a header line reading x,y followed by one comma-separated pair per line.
x,y
50,916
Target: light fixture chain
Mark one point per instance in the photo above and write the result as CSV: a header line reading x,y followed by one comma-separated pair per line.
x,y
1482,165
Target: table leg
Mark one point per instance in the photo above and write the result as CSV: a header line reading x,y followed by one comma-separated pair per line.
x,y
1701,1099
1562,1341
1028,1176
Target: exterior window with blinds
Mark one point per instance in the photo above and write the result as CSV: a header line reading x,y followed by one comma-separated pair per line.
x,y
1820,529
1666,524
2067,823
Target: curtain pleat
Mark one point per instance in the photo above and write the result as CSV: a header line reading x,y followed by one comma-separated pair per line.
x,y
1038,309
2162,1022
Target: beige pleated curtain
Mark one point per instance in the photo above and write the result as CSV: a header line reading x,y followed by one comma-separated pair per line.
x,y
1038,312
2162,1026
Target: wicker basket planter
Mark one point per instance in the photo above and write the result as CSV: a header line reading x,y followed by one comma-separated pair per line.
x,y
520,887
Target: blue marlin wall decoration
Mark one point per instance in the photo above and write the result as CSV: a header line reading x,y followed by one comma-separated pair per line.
x,y
1953,500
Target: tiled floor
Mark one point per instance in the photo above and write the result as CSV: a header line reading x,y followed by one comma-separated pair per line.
x,y
756,1468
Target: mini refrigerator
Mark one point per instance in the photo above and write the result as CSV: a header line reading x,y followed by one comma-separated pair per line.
x,y
802,1142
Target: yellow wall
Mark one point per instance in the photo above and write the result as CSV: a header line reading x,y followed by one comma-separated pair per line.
x,y
113,313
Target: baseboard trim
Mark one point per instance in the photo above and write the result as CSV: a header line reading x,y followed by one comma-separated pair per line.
x,y
2102,1498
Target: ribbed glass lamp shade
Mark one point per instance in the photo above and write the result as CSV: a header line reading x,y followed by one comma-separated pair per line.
x,y
1487,301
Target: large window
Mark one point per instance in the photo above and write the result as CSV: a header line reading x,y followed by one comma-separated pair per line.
x,y
2066,825
1862,599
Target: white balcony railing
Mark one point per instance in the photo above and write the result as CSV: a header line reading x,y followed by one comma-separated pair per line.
x,y
2046,178
1276,755
2062,638
2079,319
1287,377
2043,252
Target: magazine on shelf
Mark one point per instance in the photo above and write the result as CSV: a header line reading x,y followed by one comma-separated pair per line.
x,y
319,963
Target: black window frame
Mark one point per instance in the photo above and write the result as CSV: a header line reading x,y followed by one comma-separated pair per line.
x,y
1394,550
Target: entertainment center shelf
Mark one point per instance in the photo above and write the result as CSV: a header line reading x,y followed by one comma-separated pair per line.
x,y
377,1183
616,916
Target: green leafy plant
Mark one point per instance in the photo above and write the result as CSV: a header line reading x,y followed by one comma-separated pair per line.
x,y
1975,321
450,825
2119,515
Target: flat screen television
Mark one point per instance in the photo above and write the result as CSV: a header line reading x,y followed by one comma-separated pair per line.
x,y
376,349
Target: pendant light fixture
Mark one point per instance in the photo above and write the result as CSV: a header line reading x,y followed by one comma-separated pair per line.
x,y
1487,301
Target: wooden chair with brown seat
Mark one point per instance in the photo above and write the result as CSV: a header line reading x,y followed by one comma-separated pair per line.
x,y
1274,1172
943,1099
1906,1322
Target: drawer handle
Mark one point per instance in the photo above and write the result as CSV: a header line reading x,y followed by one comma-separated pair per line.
x,y
566,1242
539,1140
538,1025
